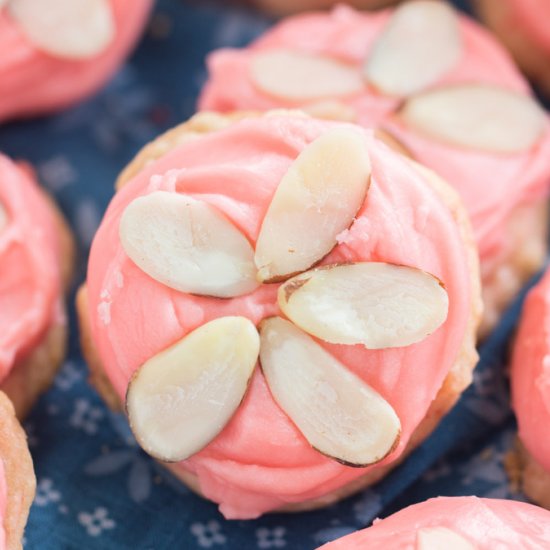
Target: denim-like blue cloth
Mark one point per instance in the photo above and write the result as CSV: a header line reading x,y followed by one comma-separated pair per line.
x,y
96,488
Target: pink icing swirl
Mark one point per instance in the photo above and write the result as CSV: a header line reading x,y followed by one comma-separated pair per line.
x,y
531,373
485,523
30,284
491,185
33,82
261,461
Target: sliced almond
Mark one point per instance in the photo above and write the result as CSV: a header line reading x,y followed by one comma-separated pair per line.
x,y
187,245
331,110
74,29
441,538
316,200
340,415
298,76
376,304
182,398
419,45
477,116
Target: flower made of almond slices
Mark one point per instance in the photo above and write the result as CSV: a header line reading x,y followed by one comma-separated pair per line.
x,y
71,29
181,399
419,45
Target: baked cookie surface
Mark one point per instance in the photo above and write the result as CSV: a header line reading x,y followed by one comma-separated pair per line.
x,y
138,311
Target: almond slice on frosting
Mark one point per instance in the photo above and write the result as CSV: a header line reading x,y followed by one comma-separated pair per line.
x,y
476,116
441,538
298,76
316,200
182,398
376,304
187,245
419,45
340,415
74,29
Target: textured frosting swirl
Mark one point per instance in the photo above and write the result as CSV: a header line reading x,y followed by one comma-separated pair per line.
x,y
30,285
261,461
484,523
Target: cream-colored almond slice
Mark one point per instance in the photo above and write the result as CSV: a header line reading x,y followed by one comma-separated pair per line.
x,y
316,200
420,43
476,116
376,304
298,76
331,110
187,245
441,538
3,3
340,415
182,398
73,29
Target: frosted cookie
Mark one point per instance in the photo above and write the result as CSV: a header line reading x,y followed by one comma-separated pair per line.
x,y
36,254
455,523
59,52
258,295
436,84
17,481
522,25
531,391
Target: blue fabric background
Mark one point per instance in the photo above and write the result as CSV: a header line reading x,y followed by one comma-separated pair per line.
x,y
96,488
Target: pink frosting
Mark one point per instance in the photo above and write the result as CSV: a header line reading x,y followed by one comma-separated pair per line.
x,y
531,373
30,283
491,185
533,17
261,461
485,523
32,81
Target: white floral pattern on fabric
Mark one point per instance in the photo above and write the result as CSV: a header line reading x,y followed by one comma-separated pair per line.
x,y
86,416
57,173
140,471
208,534
271,538
96,522
67,376
46,493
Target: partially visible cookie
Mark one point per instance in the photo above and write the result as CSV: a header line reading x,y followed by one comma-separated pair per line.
x,y
455,523
37,255
204,274
522,26
442,87
17,480
530,376
57,53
